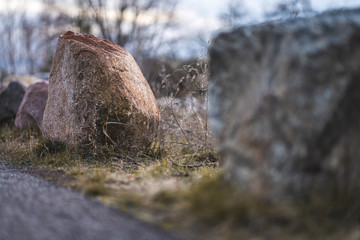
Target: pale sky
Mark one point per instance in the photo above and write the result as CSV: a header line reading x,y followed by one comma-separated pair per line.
x,y
203,14
199,19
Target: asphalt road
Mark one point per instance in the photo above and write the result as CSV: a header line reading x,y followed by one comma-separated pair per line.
x,y
34,209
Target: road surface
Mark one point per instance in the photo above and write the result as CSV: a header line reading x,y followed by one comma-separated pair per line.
x,y
34,209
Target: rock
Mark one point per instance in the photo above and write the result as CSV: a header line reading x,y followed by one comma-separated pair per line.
x,y
25,80
32,106
96,87
10,100
284,103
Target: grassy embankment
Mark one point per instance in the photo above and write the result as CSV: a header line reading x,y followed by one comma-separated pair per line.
x,y
182,191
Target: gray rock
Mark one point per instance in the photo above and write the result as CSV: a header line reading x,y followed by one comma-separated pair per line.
x,y
10,100
284,103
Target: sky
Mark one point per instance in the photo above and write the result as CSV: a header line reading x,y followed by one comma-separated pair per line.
x,y
199,19
203,14
211,8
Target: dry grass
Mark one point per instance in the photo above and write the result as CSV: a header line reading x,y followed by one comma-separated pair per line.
x,y
163,189
131,183
144,184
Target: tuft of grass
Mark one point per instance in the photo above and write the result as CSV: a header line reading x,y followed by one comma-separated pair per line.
x,y
46,146
93,184
9,133
95,190
166,198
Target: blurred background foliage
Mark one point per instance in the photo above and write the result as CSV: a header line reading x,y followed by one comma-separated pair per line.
x,y
150,30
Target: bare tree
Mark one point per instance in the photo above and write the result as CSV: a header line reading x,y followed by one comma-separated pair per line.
x,y
54,20
28,41
28,34
8,46
138,25
82,20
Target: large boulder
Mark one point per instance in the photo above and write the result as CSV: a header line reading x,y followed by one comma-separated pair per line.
x,y
98,94
10,100
32,106
284,103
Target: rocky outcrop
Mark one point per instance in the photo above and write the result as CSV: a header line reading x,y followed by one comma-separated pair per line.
x,y
98,94
32,106
10,100
284,103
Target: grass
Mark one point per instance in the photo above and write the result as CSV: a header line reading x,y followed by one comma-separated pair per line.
x,y
180,188
137,184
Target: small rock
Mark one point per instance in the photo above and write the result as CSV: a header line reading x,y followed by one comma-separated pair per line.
x,y
10,100
98,95
32,106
